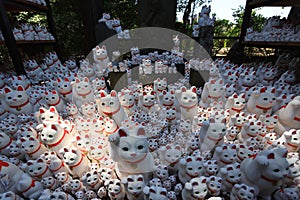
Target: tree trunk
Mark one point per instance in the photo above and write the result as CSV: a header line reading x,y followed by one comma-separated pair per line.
x,y
187,12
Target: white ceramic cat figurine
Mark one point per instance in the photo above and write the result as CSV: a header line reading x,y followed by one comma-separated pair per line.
x,y
32,147
231,175
82,92
38,169
115,189
289,116
77,162
101,58
265,171
190,167
195,189
130,150
170,155
235,103
127,102
109,105
52,98
64,89
261,101
134,185
17,101
155,192
56,137
225,154
239,191
212,134
92,180
188,102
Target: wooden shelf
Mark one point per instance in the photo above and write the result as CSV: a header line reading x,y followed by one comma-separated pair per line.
x,y
32,42
272,44
260,3
23,5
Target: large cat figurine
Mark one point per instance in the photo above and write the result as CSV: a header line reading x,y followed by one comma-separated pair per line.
x,y
82,92
130,150
17,101
109,105
188,101
265,171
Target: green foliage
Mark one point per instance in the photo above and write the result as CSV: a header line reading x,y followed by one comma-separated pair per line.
x,y
125,10
69,26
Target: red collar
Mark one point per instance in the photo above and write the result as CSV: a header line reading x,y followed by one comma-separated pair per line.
x,y
67,178
3,164
241,159
297,119
192,176
268,179
41,175
30,186
112,113
36,150
171,118
138,161
34,69
85,94
226,163
250,135
65,93
101,59
60,166
189,107
172,103
292,145
59,141
265,109
10,141
116,26
148,106
237,110
214,139
18,107
267,79
55,104
173,164
127,107
76,165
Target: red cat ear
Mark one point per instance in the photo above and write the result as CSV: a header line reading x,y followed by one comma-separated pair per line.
x,y
204,180
164,193
53,126
189,160
102,94
129,179
53,109
7,90
183,89
229,168
194,89
77,80
113,93
168,147
20,88
42,110
122,133
140,179
86,79
177,147
195,184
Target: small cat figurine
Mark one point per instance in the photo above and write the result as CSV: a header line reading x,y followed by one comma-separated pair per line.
x,y
109,105
130,150
92,180
195,189
101,58
134,185
17,101
188,101
170,155
190,167
53,99
82,92
38,169
230,174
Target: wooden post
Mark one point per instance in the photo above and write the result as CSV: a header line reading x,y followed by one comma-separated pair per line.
x,y
91,12
157,13
10,41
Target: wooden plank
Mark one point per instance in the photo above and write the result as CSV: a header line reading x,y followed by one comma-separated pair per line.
x,y
272,44
10,41
260,3
23,5
32,42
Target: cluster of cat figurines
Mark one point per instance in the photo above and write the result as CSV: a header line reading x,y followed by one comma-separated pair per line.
x,y
238,137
